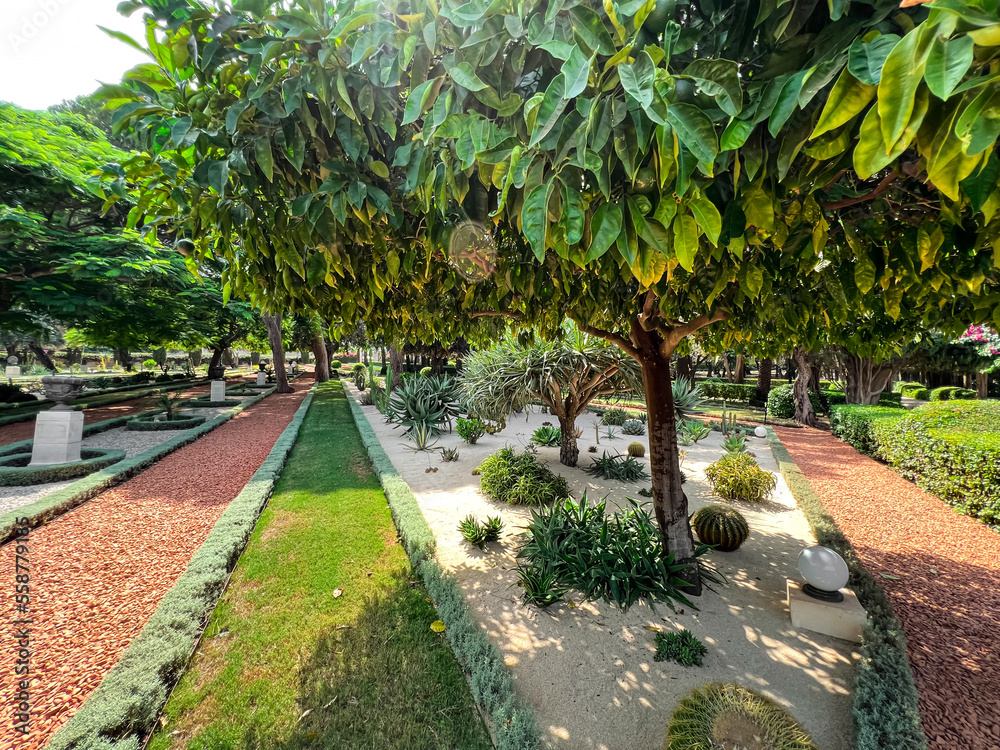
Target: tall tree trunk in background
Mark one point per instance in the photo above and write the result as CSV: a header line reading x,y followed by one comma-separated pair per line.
x,y
865,380
765,369
322,371
804,413
982,384
396,363
43,357
215,369
741,369
685,369
438,361
729,369
273,325
124,358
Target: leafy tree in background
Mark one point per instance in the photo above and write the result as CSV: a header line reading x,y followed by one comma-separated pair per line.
x,y
647,171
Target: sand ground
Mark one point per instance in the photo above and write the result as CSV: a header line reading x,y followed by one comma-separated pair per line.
x,y
588,669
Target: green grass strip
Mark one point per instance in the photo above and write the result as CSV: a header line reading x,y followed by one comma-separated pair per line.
x,y
513,722
886,710
55,504
120,712
322,639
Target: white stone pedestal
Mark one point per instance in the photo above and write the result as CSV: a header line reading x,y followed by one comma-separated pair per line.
x,y
83,368
58,434
261,378
844,619
12,372
218,390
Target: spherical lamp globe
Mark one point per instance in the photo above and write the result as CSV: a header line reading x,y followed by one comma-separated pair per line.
x,y
825,572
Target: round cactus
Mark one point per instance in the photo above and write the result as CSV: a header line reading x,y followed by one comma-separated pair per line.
x,y
637,450
721,526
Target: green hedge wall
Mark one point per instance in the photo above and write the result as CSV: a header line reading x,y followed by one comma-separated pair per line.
x,y
119,713
886,710
513,722
15,471
146,423
727,391
854,424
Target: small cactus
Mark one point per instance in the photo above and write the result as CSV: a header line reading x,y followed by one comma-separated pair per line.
x,y
636,450
723,527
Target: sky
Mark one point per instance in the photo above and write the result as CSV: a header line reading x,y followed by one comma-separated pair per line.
x,y
52,50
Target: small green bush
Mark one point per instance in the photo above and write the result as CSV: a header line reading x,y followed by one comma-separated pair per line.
x,y
11,394
425,372
148,423
335,364
965,394
683,647
481,533
520,479
781,404
736,476
614,416
547,435
900,385
920,394
164,378
470,430
621,468
944,393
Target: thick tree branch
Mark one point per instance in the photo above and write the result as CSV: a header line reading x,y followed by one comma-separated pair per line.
x,y
495,313
620,341
869,196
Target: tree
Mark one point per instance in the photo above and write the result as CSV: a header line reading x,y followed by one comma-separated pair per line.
x,y
307,333
987,343
647,174
217,325
565,375
275,336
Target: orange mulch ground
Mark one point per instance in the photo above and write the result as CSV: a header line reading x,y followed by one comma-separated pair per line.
x,y
944,584
99,572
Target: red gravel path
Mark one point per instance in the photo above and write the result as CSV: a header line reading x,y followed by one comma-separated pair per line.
x,y
18,431
945,589
99,572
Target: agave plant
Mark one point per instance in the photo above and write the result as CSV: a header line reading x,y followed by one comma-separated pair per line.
x,y
547,435
686,398
421,435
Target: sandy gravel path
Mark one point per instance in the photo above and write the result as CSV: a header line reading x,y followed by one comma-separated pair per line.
x,y
98,572
942,573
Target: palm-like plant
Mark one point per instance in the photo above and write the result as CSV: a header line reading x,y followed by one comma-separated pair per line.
x,y
687,398
565,375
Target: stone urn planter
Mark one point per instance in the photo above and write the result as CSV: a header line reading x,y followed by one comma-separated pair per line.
x,y
60,388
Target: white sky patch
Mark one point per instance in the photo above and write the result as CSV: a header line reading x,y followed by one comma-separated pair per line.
x,y
52,50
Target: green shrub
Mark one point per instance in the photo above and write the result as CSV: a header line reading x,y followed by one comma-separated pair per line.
x,y
721,391
178,376
633,427
359,367
965,394
335,364
890,398
425,372
149,364
616,557
148,423
481,533
11,394
621,468
547,435
470,430
430,401
853,424
920,394
614,416
781,404
736,476
900,385
15,471
164,378
944,393
683,647
835,398
520,479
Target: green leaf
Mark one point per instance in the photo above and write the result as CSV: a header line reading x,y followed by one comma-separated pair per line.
x,y
417,101
550,109
947,64
847,98
685,240
577,71
534,219
864,273
719,79
379,168
901,74
573,214
637,78
784,105
605,226
871,155
465,75
866,59
736,134
264,157
754,280
709,218
695,130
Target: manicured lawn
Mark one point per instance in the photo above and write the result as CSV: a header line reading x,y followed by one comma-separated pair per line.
x,y
287,660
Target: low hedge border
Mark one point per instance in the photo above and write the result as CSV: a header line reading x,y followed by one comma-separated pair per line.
x,y
201,402
57,503
512,722
21,446
120,712
93,459
886,710
147,423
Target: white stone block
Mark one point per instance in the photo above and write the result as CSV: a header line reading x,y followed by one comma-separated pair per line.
x,y
261,378
83,368
58,435
844,619
218,390
12,372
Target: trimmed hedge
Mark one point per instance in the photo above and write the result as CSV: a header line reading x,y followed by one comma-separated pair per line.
x,y
727,391
202,401
854,424
57,503
513,722
901,385
886,710
147,423
15,472
119,713
781,404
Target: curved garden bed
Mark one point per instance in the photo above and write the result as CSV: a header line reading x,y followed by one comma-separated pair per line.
x,y
204,401
151,423
15,471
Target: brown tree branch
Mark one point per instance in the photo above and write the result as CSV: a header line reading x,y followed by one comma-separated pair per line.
x,y
869,196
495,313
620,341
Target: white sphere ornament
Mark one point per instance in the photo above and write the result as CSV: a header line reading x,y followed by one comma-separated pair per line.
x,y
825,572
760,431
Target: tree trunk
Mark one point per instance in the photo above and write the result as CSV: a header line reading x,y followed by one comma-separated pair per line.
x,y
437,363
670,504
124,358
741,369
43,357
728,369
322,361
982,384
685,369
765,370
273,325
215,369
569,451
865,379
804,413
396,363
